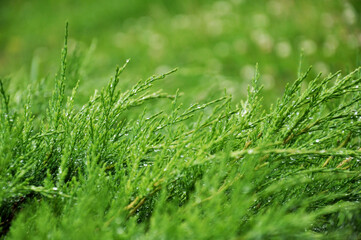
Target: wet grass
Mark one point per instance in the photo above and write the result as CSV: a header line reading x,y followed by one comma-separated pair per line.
x,y
212,146
140,163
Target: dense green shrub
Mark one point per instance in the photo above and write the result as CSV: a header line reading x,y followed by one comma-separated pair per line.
x,y
123,167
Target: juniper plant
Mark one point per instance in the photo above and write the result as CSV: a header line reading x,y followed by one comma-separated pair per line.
x,y
208,171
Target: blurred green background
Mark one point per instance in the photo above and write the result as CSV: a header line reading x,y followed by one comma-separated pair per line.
x,y
215,44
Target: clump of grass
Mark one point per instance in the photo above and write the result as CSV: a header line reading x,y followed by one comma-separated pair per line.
x,y
212,170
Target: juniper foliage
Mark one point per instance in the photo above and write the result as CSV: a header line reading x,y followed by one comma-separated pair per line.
x,y
208,171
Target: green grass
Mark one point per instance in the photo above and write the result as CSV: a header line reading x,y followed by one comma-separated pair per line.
x,y
143,164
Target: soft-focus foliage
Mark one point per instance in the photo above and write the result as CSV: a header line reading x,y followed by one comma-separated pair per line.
x,y
215,44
